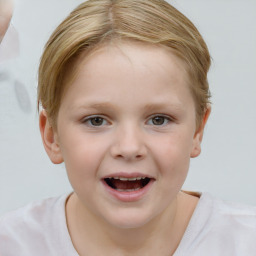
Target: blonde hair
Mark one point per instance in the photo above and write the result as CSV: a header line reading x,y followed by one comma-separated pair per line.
x,y
96,22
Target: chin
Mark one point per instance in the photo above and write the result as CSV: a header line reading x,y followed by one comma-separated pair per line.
x,y
129,219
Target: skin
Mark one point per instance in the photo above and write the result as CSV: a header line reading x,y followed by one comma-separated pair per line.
x,y
127,85
6,9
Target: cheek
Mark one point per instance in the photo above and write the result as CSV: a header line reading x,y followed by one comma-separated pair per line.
x,y
83,155
176,146
173,155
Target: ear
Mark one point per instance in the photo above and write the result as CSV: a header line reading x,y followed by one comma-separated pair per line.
x,y
198,137
50,139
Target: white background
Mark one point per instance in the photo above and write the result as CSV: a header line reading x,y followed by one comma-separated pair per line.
x,y
226,166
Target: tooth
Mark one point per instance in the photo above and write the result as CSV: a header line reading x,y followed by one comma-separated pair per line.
x,y
130,179
127,190
131,190
121,190
121,178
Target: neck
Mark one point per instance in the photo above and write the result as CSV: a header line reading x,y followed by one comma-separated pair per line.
x,y
154,238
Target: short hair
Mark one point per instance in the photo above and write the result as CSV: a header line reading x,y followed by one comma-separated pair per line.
x,y
97,22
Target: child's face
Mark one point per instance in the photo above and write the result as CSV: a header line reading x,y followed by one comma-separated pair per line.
x,y
128,114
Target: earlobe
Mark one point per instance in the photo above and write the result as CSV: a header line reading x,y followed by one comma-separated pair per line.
x,y
198,137
50,139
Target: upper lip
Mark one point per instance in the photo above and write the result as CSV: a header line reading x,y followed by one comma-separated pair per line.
x,y
126,176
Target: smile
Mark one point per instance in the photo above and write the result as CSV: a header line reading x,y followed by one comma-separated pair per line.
x,y
122,184
128,189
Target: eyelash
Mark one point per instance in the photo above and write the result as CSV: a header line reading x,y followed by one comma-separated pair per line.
x,y
90,119
167,120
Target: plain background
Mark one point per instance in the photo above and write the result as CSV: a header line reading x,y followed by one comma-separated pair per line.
x,y
226,167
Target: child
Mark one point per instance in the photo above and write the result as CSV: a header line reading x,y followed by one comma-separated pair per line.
x,y
125,98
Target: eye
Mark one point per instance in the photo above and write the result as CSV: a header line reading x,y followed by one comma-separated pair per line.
x,y
95,121
159,120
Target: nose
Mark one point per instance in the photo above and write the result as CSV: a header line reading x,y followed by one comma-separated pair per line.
x,y
129,144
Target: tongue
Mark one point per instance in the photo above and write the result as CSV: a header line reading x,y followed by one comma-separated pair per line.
x,y
120,184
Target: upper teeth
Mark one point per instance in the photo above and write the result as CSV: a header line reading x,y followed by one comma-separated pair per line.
x,y
130,179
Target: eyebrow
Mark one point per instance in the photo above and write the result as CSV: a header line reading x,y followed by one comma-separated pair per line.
x,y
148,107
102,105
155,106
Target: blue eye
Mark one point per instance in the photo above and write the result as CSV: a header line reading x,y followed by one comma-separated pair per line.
x,y
95,121
159,120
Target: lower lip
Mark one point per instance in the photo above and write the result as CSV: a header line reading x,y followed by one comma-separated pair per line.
x,y
131,196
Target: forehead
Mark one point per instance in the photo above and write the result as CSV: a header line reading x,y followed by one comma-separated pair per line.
x,y
138,54
137,57
119,67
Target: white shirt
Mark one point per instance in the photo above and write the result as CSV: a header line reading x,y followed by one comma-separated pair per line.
x,y
38,229
216,228
219,228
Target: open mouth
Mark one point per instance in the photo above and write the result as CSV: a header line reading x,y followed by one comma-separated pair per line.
x,y
127,184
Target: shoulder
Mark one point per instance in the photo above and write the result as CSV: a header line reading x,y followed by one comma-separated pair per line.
x,y
234,219
219,227
32,227
240,214
229,226
32,214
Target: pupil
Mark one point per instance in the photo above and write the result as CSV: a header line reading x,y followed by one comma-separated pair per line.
x,y
158,120
97,121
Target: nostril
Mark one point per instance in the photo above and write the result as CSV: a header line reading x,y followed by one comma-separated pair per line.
x,y
128,148
129,156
